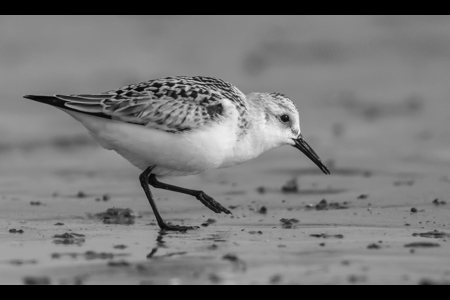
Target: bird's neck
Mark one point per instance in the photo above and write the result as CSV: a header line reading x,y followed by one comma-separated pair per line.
x,y
254,139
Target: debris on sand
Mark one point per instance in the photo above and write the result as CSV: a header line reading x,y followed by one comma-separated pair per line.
x,y
230,257
104,198
414,210
81,194
121,263
120,247
69,239
36,203
433,234
288,223
20,231
324,205
262,210
374,247
59,224
327,236
238,263
290,186
68,236
31,280
436,202
422,245
88,255
208,222
362,197
255,232
122,216
20,262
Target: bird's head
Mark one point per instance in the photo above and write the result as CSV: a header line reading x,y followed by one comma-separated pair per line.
x,y
281,125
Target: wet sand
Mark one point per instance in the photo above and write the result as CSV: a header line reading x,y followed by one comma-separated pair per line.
x,y
363,233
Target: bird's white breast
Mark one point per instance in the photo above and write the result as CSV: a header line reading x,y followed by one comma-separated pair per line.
x,y
172,154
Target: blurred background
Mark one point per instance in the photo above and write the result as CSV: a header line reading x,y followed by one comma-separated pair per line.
x,y
373,95
368,87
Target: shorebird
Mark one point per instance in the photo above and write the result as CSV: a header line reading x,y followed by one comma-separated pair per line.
x,y
183,125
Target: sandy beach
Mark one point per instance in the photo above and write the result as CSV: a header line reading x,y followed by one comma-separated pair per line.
x,y
376,226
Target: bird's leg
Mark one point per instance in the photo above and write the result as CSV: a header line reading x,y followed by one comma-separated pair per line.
x,y
144,179
208,201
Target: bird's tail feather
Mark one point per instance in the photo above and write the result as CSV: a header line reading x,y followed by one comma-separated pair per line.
x,y
84,105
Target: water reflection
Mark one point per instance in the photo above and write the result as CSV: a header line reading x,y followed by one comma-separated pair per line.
x,y
160,243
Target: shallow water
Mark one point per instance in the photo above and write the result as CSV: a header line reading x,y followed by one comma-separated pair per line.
x,y
325,246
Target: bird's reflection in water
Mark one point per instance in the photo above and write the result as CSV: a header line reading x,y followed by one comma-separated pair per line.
x,y
160,243
216,237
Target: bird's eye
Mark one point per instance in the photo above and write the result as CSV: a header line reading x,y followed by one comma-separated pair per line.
x,y
284,118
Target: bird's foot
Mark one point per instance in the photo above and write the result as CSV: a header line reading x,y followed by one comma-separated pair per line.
x,y
171,227
212,204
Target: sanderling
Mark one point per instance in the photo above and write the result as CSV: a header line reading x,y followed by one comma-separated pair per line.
x,y
182,125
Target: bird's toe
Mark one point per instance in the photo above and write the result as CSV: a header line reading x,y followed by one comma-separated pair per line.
x,y
212,204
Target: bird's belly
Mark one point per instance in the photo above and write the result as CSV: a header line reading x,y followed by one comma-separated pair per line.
x,y
176,158
171,154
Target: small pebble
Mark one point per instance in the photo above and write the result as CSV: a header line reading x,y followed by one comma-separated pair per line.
x,y
81,194
263,210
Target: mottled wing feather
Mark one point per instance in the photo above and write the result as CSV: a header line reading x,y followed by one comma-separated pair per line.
x,y
173,104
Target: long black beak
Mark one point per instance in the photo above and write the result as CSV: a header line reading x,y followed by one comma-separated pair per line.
x,y
303,146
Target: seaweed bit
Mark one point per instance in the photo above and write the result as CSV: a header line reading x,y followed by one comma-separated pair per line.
x,y
290,186
288,223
